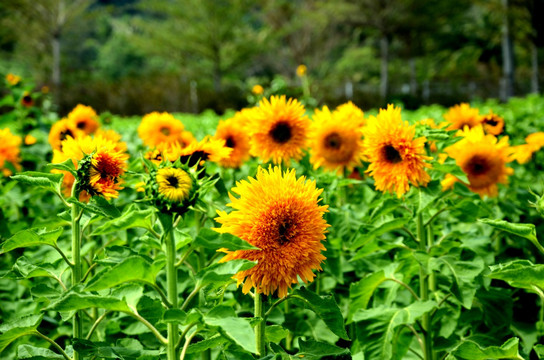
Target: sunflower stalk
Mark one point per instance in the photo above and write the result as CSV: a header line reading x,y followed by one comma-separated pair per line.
x,y
260,328
172,290
424,289
77,326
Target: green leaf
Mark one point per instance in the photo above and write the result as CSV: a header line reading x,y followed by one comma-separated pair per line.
x,y
125,349
361,292
97,205
378,231
237,329
219,274
174,316
211,239
314,350
39,179
326,308
212,342
520,274
75,301
470,350
13,330
67,165
133,268
275,333
527,231
35,353
132,218
539,350
32,237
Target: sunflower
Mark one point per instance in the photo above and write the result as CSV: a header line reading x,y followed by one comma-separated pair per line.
x,y
277,129
172,188
27,100
68,179
462,115
280,215
198,153
114,137
30,140
257,89
301,70
350,112
483,159
84,118
174,184
536,139
396,158
235,138
335,144
61,130
160,128
9,151
13,79
493,124
523,153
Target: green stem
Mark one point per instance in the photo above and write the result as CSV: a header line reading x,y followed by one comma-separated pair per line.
x,y
424,290
55,345
76,270
172,291
260,328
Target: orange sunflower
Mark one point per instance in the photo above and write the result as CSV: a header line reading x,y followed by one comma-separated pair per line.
x,y
27,100
198,153
10,151
235,137
280,215
483,159
160,128
277,129
84,118
61,130
462,115
493,124
396,158
350,112
523,153
13,79
335,144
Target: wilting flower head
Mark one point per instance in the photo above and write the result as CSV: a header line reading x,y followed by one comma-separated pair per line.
x,y
257,89
232,132
61,130
280,215
483,159
462,115
84,118
27,100
396,158
172,188
493,124
158,129
278,129
13,79
9,151
336,143
301,70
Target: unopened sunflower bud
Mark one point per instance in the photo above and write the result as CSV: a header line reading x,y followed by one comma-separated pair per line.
x,y
172,189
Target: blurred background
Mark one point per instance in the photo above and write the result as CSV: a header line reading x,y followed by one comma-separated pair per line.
x,y
136,56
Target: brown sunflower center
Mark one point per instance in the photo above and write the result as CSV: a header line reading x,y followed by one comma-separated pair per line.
x,y
64,134
391,154
172,181
165,131
194,158
27,99
333,141
285,232
230,142
281,132
81,124
107,166
478,165
491,122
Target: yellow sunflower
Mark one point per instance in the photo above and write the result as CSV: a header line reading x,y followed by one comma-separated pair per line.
x,y
396,158
335,144
84,118
493,124
198,153
232,132
523,153
462,115
257,89
61,130
536,139
160,128
10,151
114,137
30,140
13,79
68,180
174,184
27,100
172,189
278,129
483,159
350,112
280,215
301,70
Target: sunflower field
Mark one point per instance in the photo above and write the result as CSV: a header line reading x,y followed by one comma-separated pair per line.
x,y
279,231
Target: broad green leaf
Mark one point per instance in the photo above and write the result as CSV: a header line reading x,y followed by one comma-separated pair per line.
x,y
98,206
75,301
213,342
386,227
174,316
89,349
35,353
134,268
219,274
32,237
237,328
527,231
519,273
132,218
39,179
326,308
67,165
361,292
313,350
25,269
13,330
275,333
429,194
211,239
470,350
539,350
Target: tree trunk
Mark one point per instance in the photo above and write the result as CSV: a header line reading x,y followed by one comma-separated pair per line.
x,y
413,77
55,69
507,81
384,74
534,69
217,73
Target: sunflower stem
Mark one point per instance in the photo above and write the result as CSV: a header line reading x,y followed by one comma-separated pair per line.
x,y
261,326
77,326
172,291
424,289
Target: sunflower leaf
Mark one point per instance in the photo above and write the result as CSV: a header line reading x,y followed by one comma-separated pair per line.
x,y
131,218
29,352
520,274
236,328
470,350
76,301
527,231
218,275
314,350
211,239
361,292
15,329
31,237
67,165
39,179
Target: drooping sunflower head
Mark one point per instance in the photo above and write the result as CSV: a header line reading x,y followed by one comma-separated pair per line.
x,y
10,151
351,113
160,128
396,158
493,124
172,188
483,159
232,132
84,118
462,115
278,129
280,215
61,130
335,144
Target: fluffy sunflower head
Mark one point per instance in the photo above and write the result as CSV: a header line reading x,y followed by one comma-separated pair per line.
x,y
172,188
114,137
335,144
198,153
396,158
160,128
493,124
462,115
483,159
236,138
61,130
351,113
278,129
280,215
84,118
10,151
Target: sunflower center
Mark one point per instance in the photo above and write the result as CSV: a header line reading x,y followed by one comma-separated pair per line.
x,y
194,158
172,181
64,134
284,232
478,165
492,122
165,131
81,125
230,142
281,132
107,166
27,99
333,141
391,154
